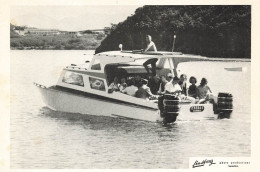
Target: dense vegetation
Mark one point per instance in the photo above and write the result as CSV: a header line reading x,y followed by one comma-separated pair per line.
x,y
214,31
57,42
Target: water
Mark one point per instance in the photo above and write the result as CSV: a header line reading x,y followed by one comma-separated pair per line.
x,y
42,138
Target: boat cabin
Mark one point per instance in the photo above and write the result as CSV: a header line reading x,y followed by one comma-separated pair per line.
x,y
100,72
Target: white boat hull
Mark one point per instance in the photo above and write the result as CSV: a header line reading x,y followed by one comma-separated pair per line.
x,y
73,103
69,102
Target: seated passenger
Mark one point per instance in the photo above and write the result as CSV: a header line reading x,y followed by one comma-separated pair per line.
x,y
131,88
174,88
169,77
122,84
203,91
163,82
114,86
192,87
137,79
144,91
183,84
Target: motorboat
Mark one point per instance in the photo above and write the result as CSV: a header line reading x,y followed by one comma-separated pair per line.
x,y
84,89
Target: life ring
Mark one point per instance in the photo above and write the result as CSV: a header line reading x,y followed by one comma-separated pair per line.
x,y
97,84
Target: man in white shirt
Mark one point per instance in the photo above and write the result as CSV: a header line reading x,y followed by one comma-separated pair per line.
x,y
174,88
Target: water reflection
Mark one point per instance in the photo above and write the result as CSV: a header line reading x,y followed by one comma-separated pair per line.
x,y
112,124
94,122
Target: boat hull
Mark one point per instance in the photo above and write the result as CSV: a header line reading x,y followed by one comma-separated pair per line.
x,y
196,112
69,102
63,101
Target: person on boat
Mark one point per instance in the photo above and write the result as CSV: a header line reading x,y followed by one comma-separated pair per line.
x,y
144,91
163,82
154,84
114,86
192,87
122,84
131,89
150,46
137,79
169,77
183,84
151,62
174,88
203,91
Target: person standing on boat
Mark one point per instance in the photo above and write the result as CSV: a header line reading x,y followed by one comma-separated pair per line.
x,y
150,46
114,86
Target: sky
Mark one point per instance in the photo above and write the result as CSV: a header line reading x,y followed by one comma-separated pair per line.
x,y
70,18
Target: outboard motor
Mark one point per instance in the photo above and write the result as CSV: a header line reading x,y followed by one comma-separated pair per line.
x,y
169,106
225,105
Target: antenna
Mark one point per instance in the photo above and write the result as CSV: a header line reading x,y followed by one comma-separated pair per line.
x,y
174,37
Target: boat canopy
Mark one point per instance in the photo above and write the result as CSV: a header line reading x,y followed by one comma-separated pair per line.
x,y
133,58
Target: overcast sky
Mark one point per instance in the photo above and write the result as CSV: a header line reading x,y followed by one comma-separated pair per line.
x,y
70,18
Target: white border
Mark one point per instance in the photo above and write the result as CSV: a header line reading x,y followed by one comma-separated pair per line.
x,y
5,70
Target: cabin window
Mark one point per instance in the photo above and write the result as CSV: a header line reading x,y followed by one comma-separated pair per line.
x,y
96,65
97,84
73,78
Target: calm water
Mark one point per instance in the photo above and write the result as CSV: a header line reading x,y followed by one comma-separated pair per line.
x,y
42,138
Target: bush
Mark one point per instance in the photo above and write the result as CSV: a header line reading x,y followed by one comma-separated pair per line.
x,y
57,42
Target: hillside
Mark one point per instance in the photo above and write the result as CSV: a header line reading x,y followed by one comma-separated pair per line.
x,y
214,31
